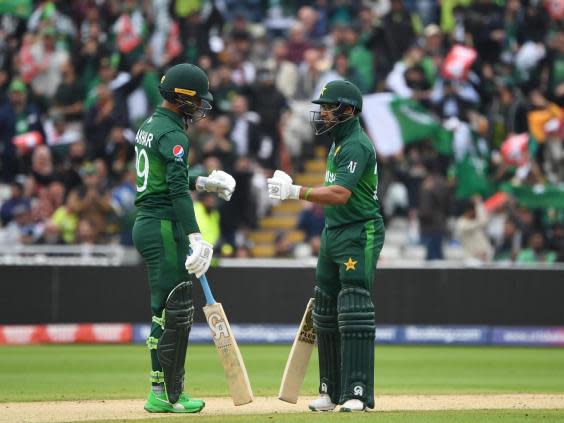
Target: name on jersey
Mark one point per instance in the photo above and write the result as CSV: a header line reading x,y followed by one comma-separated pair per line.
x,y
144,138
330,177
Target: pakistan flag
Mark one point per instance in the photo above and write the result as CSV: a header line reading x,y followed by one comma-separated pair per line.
x,y
393,121
472,163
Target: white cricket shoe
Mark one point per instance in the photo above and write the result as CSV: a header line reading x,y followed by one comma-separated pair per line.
x,y
323,403
353,405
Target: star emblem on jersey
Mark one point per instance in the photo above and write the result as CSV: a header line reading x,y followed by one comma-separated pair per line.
x,y
178,151
350,265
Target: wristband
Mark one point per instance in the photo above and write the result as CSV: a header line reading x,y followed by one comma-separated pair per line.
x,y
307,193
201,182
294,193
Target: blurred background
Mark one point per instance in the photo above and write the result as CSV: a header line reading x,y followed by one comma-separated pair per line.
x,y
463,100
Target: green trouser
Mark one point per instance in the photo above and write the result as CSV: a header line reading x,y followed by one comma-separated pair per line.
x,y
163,246
343,313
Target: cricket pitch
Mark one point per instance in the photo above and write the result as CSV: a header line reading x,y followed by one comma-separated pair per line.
x,y
67,411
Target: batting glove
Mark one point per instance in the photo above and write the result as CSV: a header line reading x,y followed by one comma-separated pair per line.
x,y
280,187
218,181
198,262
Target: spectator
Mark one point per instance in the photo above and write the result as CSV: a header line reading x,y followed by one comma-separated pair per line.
x,y
311,221
16,199
360,58
74,160
536,251
484,22
224,90
399,29
101,118
21,230
42,167
51,235
470,230
208,217
245,133
48,58
123,204
65,218
433,211
59,134
17,117
297,43
270,105
510,243
68,100
119,150
556,240
87,233
93,203
48,200
285,72
345,71
396,79
283,248
311,74
218,144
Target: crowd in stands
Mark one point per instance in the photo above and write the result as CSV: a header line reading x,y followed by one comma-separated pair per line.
x,y
78,77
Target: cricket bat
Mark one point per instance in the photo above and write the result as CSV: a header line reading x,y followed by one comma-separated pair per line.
x,y
296,366
226,345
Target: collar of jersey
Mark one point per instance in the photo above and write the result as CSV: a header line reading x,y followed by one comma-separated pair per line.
x,y
175,117
343,130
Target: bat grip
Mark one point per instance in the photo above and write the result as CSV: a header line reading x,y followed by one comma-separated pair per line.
x,y
205,286
207,291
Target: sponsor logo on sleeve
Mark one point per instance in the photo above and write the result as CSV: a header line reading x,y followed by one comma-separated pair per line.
x,y
178,151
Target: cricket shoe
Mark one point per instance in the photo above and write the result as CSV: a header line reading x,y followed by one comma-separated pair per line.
x,y
158,403
353,405
323,403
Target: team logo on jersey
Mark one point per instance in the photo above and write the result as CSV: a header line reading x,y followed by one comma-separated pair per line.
x,y
352,166
178,151
350,264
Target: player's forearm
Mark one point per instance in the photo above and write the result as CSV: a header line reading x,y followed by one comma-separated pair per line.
x,y
332,195
184,210
178,181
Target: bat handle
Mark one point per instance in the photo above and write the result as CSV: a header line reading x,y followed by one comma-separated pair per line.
x,y
207,291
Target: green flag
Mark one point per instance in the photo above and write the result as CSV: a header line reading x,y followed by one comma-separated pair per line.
x,y
537,197
417,124
393,122
20,8
471,171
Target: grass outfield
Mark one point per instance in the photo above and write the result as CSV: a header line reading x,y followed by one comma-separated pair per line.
x,y
92,372
78,372
497,416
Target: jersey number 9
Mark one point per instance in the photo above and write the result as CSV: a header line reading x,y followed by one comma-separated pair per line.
x,y
141,168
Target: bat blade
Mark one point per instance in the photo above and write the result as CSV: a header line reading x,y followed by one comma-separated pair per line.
x,y
229,354
298,360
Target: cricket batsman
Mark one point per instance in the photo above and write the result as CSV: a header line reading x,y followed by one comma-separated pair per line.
x,y
351,242
166,233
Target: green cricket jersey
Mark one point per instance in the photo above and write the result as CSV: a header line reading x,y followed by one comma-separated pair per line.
x,y
351,163
161,150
